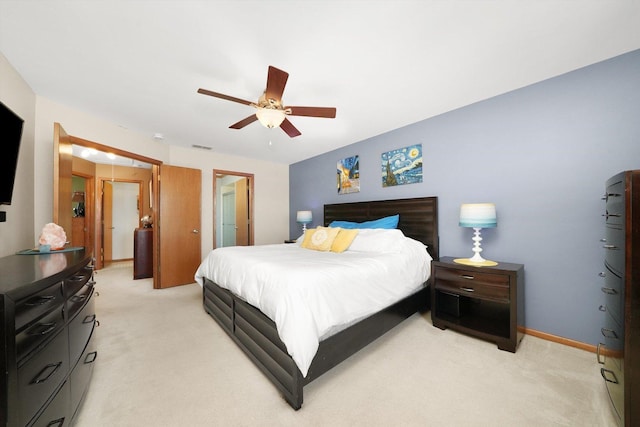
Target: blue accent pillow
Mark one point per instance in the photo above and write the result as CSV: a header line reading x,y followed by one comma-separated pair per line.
x,y
389,223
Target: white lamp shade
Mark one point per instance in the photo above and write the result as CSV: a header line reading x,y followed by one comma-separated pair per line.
x,y
304,217
478,215
270,117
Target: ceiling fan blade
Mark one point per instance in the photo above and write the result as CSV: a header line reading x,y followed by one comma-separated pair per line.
x,y
242,123
327,112
223,96
276,81
289,128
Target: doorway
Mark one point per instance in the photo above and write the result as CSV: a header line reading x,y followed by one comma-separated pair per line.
x,y
120,217
233,209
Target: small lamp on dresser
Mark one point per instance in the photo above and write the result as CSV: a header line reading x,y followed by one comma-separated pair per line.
x,y
477,216
304,218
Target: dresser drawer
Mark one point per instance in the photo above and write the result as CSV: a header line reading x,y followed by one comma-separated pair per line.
x,y
30,309
39,333
77,301
612,334
81,375
56,414
614,246
76,281
481,285
41,375
613,290
80,329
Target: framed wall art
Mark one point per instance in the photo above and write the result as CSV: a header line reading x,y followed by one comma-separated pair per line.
x,y
348,175
402,166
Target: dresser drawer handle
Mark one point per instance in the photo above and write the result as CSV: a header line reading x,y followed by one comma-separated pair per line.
x,y
464,288
46,373
608,333
602,308
609,291
598,354
607,215
602,274
42,329
78,298
41,300
467,276
610,247
56,423
91,357
77,277
604,373
89,319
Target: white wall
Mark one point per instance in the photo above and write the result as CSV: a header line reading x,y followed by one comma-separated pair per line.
x,y
271,192
17,232
271,179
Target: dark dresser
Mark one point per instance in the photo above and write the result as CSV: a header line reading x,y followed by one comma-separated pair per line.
x,y
46,346
142,253
619,350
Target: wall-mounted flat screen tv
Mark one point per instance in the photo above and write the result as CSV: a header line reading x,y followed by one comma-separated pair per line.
x,y
10,135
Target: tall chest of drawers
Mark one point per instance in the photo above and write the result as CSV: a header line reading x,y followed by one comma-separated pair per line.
x,y
619,351
46,346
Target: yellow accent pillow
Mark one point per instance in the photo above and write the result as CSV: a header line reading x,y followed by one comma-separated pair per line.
x,y
343,240
320,238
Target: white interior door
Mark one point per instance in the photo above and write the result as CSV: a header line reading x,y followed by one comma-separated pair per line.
x,y
126,218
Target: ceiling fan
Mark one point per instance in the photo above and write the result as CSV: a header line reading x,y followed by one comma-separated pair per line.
x,y
269,109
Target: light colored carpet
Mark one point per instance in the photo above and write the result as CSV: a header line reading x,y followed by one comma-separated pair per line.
x,y
162,361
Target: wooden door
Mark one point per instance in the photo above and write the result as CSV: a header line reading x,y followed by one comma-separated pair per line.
x,y
178,225
62,180
242,213
107,222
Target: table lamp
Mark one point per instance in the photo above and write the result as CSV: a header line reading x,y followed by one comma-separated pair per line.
x,y
304,218
477,216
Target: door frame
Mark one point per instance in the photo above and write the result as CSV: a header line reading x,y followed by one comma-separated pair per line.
x,y
155,197
99,236
250,199
89,208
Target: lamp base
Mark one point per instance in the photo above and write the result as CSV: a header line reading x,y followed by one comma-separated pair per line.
x,y
469,261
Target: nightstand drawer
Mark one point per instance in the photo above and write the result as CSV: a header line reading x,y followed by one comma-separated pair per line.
x,y
473,284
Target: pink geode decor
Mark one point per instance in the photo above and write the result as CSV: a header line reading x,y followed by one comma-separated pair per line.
x,y
54,236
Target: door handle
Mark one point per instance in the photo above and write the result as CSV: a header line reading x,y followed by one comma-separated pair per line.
x,y
195,231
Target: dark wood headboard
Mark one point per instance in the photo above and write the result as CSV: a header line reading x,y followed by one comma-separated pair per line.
x,y
418,217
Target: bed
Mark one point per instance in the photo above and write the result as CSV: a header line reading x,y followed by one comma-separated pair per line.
x,y
257,335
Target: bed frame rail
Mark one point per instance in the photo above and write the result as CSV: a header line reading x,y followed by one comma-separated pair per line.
x,y
257,337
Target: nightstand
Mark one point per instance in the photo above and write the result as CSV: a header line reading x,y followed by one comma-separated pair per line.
x,y
486,302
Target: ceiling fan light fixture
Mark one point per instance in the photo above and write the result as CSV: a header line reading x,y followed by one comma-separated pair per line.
x,y
270,117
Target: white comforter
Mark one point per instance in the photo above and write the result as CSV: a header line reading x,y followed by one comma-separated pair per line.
x,y
309,294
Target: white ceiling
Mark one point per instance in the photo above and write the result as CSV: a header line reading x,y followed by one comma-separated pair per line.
x,y
382,64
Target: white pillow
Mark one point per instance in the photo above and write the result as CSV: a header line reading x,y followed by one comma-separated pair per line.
x,y
378,240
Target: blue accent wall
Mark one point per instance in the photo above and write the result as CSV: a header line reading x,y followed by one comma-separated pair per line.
x,y
542,154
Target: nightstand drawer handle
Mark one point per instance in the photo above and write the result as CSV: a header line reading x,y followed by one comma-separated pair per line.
x,y
464,288
609,291
467,276
612,247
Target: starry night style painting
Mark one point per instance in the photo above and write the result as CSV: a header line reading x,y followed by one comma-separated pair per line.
x,y
402,166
